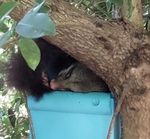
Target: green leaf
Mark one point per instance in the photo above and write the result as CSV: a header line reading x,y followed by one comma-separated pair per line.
x,y
39,1
25,124
6,8
3,27
4,93
44,9
117,2
17,105
5,121
30,52
34,27
108,5
35,24
130,9
5,37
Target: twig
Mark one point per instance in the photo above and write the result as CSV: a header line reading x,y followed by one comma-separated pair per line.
x,y
117,110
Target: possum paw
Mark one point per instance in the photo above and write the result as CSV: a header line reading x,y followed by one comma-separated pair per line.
x,y
45,80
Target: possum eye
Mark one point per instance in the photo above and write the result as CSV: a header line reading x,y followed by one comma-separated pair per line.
x,y
66,73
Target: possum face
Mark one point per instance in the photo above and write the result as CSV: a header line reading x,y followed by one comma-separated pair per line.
x,y
78,78
63,80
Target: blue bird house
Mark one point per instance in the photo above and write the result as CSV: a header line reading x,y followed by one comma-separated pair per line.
x,y
67,115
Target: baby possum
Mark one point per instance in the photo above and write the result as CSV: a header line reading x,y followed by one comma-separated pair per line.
x,y
76,78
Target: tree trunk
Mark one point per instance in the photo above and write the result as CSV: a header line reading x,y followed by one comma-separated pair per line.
x,y
133,12
116,51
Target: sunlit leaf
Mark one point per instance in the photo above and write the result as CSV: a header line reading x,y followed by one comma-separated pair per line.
x,y
5,121
6,8
17,104
30,52
35,25
5,37
3,27
25,124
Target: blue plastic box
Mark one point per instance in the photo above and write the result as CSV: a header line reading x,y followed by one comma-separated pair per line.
x,y
70,115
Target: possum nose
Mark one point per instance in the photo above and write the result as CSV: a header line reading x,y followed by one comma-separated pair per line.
x,y
54,85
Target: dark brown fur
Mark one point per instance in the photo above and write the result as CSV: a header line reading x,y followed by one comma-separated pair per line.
x,y
30,82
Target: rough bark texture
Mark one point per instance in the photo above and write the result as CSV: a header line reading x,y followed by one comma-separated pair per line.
x,y
115,51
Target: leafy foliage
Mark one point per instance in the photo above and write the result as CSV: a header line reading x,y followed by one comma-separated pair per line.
x,y
32,25
14,122
30,52
105,8
146,14
6,8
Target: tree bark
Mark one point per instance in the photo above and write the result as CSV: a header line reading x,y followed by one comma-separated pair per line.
x,y
116,51
133,12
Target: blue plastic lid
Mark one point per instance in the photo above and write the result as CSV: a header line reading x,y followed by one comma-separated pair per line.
x,y
94,103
